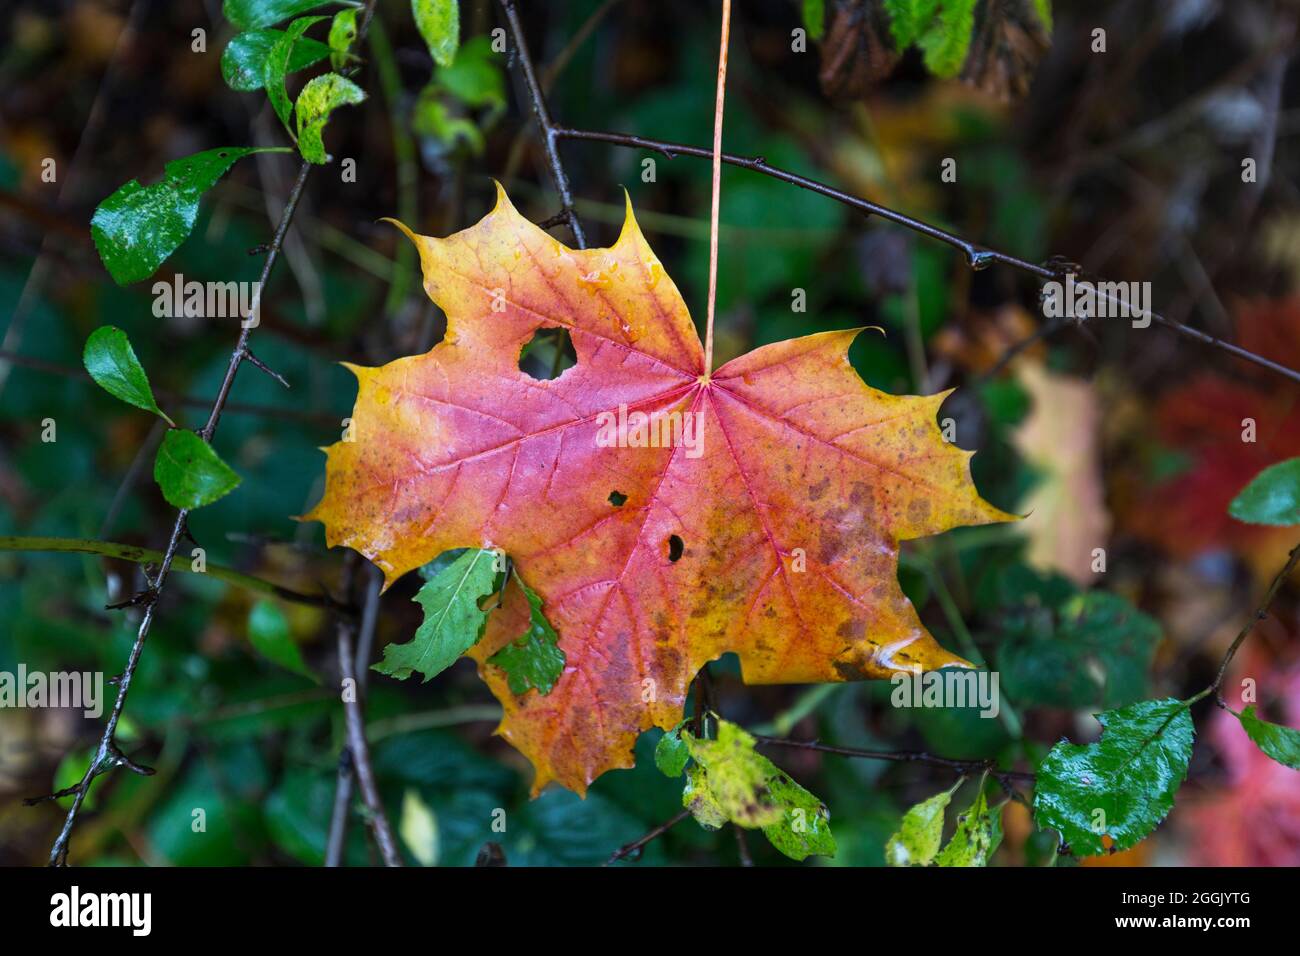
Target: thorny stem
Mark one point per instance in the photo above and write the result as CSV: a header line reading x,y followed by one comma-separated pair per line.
x,y
107,755
717,185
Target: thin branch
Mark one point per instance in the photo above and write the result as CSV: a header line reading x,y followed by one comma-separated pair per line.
x,y
716,200
136,555
629,848
977,256
1260,613
899,756
548,130
107,756
354,718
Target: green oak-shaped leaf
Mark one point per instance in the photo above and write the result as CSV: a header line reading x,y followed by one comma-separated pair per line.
x,y
1123,785
535,659
979,831
453,620
189,472
243,62
316,102
276,66
253,14
268,632
1280,743
671,752
111,362
919,835
1272,497
1092,649
137,227
439,23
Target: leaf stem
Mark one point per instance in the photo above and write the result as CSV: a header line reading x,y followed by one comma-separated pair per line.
x,y
717,185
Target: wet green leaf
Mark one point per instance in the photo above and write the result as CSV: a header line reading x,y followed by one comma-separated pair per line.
x,y
111,362
1120,787
946,41
251,14
189,472
137,227
243,62
1280,743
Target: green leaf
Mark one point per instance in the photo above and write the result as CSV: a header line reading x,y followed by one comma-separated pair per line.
x,y
343,33
277,65
243,62
1272,497
731,782
316,102
1123,785
189,472
1091,649
979,831
111,362
737,775
453,620
268,632
908,20
805,825
1044,10
1280,743
439,23
418,827
475,78
919,835
138,227
535,659
814,17
946,41
252,14
671,753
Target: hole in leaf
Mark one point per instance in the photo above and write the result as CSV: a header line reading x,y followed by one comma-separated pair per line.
x,y
537,357
675,547
616,498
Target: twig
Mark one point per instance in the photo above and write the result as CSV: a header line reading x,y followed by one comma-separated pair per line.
x,y
129,552
359,750
107,756
899,756
1260,613
545,126
977,256
629,848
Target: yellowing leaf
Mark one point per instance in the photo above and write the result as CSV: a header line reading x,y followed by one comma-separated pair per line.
x,y
763,518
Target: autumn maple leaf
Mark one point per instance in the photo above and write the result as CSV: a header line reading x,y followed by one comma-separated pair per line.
x,y
775,536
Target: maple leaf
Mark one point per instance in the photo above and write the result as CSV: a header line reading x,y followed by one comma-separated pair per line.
x,y
775,537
